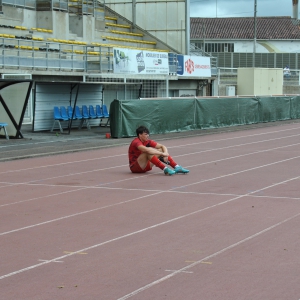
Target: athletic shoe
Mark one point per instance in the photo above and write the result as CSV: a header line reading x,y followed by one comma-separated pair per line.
x,y
168,171
180,169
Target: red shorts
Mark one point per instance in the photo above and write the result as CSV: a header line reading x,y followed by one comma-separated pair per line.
x,y
136,168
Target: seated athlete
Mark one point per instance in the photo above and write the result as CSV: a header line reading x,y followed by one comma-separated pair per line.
x,y
143,153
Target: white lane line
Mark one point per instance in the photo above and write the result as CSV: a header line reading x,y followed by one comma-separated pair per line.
x,y
189,272
64,163
47,142
198,152
78,214
245,136
239,172
149,228
78,188
56,261
183,145
153,283
60,152
8,184
175,188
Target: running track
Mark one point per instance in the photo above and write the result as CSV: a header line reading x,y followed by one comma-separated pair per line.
x,y
81,226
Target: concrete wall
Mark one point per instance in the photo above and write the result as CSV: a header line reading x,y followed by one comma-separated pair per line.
x,y
164,19
88,28
44,19
18,17
60,25
76,24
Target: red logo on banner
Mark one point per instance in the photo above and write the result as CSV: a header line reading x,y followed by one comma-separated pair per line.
x,y
189,66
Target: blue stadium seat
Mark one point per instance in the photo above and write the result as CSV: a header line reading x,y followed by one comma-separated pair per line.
x,y
64,113
99,113
84,116
105,114
78,114
58,118
70,113
85,112
92,112
3,125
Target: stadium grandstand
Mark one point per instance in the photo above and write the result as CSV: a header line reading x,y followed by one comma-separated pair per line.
x,y
94,42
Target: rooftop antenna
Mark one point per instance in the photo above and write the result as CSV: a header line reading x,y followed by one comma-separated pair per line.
x,y
187,27
295,9
254,41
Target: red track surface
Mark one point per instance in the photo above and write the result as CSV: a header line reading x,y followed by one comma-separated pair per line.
x,y
81,226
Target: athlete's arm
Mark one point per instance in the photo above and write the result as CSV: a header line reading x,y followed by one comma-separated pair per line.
x,y
153,151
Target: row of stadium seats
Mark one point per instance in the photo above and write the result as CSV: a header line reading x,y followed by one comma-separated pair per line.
x,y
128,40
12,36
126,33
66,114
72,42
6,42
25,28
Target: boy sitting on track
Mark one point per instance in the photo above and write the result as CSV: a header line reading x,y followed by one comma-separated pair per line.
x,y
143,153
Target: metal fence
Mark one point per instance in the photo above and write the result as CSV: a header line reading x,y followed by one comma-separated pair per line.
x,y
228,77
28,54
95,8
36,55
262,60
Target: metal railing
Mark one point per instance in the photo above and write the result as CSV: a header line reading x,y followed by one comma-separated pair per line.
x,y
37,55
95,8
23,54
29,4
228,77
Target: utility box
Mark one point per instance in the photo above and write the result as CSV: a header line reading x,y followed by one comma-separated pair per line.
x,y
230,90
259,81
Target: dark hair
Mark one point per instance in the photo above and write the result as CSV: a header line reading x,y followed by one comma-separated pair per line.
x,y
141,130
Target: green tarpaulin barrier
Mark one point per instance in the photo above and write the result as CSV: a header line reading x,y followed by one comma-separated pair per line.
x,y
173,115
274,109
220,112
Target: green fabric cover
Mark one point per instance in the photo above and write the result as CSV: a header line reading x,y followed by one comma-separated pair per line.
x,y
173,115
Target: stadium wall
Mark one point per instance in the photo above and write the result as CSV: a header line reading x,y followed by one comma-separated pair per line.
x,y
183,114
163,19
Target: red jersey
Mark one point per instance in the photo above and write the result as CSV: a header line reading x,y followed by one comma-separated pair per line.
x,y
134,152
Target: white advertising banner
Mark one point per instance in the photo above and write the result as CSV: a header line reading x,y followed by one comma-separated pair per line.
x,y
193,66
128,61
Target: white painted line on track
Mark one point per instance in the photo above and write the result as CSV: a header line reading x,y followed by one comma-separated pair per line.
x,y
156,226
140,190
60,152
240,172
188,154
78,188
189,272
153,283
183,145
64,163
49,142
78,214
175,188
239,137
56,261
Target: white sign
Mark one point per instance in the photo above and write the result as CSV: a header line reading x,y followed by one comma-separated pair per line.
x,y
193,66
128,61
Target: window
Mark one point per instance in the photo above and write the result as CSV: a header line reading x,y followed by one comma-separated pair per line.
x,y
219,47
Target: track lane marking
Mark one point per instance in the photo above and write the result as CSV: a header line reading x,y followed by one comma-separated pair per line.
x,y
212,141
153,283
198,152
156,226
